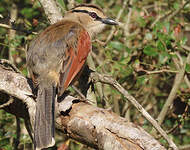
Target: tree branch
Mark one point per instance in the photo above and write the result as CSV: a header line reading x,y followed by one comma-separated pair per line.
x,y
104,129
108,80
88,124
51,10
178,79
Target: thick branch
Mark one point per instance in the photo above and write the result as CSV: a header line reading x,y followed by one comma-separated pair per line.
x,y
108,80
88,124
51,10
103,129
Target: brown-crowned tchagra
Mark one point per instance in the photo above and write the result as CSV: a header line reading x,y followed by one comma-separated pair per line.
x,y
54,59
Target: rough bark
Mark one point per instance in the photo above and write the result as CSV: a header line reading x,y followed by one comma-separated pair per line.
x,y
96,127
51,10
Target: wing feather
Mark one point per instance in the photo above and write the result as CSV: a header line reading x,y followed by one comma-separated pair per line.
x,y
59,53
77,56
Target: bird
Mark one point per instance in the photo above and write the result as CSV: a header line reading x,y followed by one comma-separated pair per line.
x,y
54,59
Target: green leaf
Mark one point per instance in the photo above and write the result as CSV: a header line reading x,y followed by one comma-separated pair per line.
x,y
29,12
116,45
167,26
184,40
141,80
2,9
79,1
160,46
187,68
61,2
168,123
163,58
176,5
168,43
124,60
157,27
186,139
25,71
150,51
129,70
128,50
141,22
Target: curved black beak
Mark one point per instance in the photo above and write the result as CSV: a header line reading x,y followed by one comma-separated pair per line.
x,y
108,21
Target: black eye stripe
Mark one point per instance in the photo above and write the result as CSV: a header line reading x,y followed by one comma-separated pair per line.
x,y
82,11
92,14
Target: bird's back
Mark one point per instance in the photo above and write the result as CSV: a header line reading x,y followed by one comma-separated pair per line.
x,y
54,58
52,49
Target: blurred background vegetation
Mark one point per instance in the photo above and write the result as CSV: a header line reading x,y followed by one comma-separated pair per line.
x,y
144,54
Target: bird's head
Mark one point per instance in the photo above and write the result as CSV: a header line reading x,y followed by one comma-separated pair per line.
x,y
91,17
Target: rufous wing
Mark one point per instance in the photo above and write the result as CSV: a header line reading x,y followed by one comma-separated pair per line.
x,y
77,55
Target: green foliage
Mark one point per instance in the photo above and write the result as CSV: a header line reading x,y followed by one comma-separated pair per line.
x,y
29,13
116,45
150,51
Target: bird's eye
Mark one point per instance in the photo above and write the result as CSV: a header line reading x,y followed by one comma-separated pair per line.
x,y
93,15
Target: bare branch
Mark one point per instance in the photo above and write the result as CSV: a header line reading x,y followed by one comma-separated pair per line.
x,y
128,21
51,10
11,35
108,80
185,147
103,129
77,125
10,80
160,71
88,124
18,130
110,36
13,28
178,10
178,79
7,103
169,15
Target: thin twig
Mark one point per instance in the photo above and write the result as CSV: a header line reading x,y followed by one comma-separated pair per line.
x,y
18,130
82,96
11,100
11,34
6,45
159,18
110,36
90,93
109,80
94,122
160,71
178,10
178,79
169,15
152,6
127,34
185,47
6,63
5,26
13,28
98,61
187,81
78,91
169,131
128,21
184,147
71,4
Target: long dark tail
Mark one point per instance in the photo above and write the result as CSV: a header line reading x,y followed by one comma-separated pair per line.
x,y
44,119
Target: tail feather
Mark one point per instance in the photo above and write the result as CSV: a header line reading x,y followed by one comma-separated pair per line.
x,y
44,119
